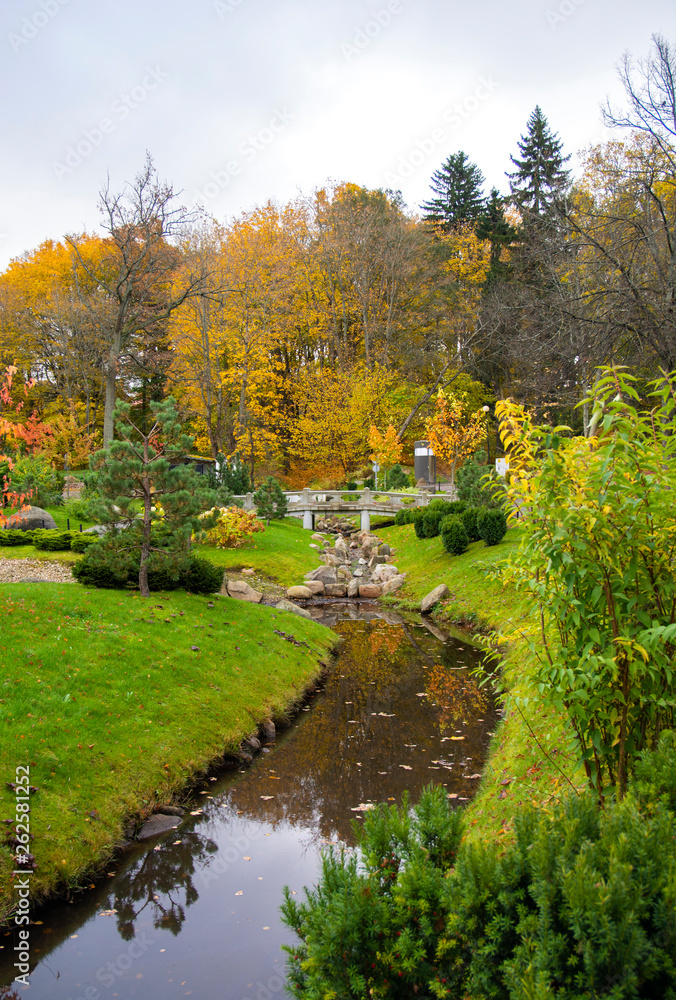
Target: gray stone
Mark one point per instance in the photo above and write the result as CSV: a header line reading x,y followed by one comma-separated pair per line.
x,y
285,605
268,730
336,558
353,588
317,537
31,518
377,560
315,586
251,743
359,571
335,590
241,591
299,592
313,546
326,574
370,590
384,550
433,598
344,573
98,529
383,572
171,811
394,583
157,824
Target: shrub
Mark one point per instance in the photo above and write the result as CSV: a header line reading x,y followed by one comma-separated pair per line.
x,y
49,540
351,486
468,480
491,524
230,527
201,576
270,501
82,540
468,518
396,478
419,523
33,474
106,566
580,905
406,515
13,536
80,509
454,536
433,514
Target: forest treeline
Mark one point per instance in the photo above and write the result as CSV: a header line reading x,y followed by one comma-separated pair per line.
x,y
285,333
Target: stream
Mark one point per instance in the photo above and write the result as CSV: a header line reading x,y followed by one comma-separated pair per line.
x,y
196,911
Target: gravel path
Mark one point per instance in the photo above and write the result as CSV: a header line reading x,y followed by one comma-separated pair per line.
x,y
34,571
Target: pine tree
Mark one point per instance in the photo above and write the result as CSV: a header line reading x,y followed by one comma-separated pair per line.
x,y
493,226
457,187
269,500
539,177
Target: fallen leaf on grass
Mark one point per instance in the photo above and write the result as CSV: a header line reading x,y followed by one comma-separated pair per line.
x,y
452,795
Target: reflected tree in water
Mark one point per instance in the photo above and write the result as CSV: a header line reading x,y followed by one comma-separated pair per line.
x,y
457,695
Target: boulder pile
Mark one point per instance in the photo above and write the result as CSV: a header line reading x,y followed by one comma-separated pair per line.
x,y
358,565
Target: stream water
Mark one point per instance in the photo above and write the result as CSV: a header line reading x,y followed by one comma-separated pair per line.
x,y
196,912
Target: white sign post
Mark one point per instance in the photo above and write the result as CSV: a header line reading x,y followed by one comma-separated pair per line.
x,y
376,470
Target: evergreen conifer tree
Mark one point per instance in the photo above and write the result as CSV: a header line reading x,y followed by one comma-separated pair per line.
x,y
539,177
458,194
493,226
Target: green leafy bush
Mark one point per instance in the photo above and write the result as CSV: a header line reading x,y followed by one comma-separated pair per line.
x,y
454,535
81,540
106,565
13,536
49,540
433,514
468,518
406,515
491,524
579,906
419,523
81,509
351,486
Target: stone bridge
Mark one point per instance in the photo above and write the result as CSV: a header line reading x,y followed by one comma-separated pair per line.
x,y
363,502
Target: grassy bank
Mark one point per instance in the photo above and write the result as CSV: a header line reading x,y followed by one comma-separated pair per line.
x,y
530,758
115,702
281,553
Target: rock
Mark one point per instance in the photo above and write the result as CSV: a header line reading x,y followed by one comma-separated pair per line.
x,y
326,574
316,537
158,823
358,571
394,583
268,730
285,605
299,592
370,590
30,518
241,591
316,587
338,558
433,598
341,543
248,572
353,588
383,572
377,560
335,590
363,562
313,546
344,573
171,811
98,529
384,550
251,743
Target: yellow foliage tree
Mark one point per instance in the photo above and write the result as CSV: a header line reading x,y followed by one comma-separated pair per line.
x,y
387,447
452,435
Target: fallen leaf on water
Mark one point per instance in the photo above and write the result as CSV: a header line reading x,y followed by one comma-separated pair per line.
x,y
456,737
421,694
197,812
471,776
267,796
240,893
274,777
406,767
452,795
107,913
362,807
246,858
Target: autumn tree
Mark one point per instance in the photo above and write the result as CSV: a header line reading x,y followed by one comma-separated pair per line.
x,y
137,274
387,447
452,434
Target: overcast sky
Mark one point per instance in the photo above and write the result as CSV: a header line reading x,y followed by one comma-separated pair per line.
x,y
241,101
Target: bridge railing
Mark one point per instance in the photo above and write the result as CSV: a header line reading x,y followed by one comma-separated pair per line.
x,y
307,499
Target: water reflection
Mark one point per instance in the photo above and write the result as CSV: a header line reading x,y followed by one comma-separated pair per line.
x,y
398,711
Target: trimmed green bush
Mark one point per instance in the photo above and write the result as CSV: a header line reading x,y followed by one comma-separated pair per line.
x,y
396,478
51,540
468,518
202,577
110,566
418,523
82,540
406,515
491,524
351,486
454,536
13,536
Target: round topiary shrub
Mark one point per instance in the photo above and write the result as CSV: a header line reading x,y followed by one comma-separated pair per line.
x,y
491,524
418,523
454,536
202,577
468,518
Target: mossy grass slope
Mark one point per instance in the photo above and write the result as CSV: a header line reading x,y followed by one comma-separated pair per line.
x,y
531,757
282,552
104,696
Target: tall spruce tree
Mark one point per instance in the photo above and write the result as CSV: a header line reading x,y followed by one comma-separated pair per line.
x,y
493,226
539,177
459,198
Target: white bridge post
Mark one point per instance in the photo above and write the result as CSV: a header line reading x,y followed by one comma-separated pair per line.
x,y
365,513
308,516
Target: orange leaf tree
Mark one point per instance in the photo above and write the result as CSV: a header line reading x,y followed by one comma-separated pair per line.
x,y
387,447
452,434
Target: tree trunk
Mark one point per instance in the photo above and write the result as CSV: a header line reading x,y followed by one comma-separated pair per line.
x,y
404,427
147,521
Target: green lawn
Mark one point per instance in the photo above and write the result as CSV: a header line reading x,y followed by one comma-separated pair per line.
x,y
281,553
530,759
105,699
